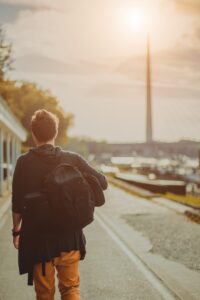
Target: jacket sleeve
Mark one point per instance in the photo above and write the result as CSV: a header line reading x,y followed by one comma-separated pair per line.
x,y
17,188
85,167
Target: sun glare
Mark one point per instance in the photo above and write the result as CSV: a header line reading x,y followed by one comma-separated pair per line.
x,y
137,20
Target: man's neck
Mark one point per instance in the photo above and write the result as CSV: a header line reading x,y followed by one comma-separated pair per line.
x,y
49,143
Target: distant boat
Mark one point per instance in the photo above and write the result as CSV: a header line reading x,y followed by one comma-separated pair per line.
x,y
154,185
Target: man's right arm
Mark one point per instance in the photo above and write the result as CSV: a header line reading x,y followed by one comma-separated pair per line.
x,y
16,228
17,201
17,188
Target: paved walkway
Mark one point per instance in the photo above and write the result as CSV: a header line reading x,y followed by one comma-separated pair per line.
x,y
105,273
110,270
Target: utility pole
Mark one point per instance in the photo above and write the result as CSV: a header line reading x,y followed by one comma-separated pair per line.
x,y
149,127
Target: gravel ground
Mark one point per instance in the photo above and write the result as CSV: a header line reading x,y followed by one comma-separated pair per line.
x,y
172,236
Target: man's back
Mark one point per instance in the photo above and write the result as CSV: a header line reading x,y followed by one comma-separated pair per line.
x,y
41,252
32,167
30,171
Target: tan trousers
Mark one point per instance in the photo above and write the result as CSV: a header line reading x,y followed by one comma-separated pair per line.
x,y
68,277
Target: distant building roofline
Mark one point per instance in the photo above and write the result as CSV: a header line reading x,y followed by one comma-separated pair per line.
x,y
8,119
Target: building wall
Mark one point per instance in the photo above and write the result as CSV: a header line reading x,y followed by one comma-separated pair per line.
x,y
11,136
10,148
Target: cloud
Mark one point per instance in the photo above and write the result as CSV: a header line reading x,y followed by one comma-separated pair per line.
x,y
177,67
39,64
9,12
39,4
57,42
188,6
41,32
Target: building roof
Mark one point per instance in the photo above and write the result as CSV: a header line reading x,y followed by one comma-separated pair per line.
x,y
9,120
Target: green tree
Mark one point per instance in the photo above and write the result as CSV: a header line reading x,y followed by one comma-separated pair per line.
x,y
5,55
24,98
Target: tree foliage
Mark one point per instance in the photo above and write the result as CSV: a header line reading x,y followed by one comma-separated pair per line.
x,y
24,97
5,55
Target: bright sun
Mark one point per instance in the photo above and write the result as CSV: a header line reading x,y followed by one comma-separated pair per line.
x,y
138,20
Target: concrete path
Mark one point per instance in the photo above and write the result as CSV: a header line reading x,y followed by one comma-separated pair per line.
x,y
119,264
105,273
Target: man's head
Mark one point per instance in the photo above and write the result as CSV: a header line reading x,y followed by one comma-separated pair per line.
x,y
44,126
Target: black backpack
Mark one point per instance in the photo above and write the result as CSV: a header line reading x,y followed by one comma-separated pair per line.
x,y
66,203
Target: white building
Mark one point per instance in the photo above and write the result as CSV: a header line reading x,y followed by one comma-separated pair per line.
x,y
12,133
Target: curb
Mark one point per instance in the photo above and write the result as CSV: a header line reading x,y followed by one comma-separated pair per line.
x,y
131,188
192,213
176,289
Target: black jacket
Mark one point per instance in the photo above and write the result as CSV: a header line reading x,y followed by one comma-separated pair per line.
x,y
29,173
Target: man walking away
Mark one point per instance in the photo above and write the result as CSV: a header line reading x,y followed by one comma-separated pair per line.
x,y
59,251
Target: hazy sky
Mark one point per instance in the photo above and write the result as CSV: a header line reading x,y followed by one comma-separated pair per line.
x,y
91,55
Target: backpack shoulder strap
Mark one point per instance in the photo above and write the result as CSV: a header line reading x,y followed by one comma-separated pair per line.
x,y
58,161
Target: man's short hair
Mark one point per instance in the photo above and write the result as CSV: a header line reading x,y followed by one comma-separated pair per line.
x,y
44,125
